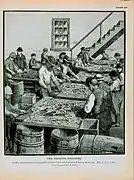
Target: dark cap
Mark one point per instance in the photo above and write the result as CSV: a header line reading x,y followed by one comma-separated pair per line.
x,y
19,49
113,73
118,65
117,54
62,53
33,54
12,55
45,50
83,48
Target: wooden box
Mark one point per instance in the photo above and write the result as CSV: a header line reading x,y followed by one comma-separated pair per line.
x,y
89,126
29,98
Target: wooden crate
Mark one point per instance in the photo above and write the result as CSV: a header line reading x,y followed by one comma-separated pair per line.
x,y
28,98
89,126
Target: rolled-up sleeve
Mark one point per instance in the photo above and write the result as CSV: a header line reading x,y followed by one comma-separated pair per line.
x,y
89,104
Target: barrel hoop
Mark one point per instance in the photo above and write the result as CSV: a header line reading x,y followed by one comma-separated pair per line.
x,y
67,148
79,146
30,135
93,144
28,145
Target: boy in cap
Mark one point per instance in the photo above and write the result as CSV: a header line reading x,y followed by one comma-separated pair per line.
x,y
9,66
104,56
44,53
116,94
20,60
33,61
66,69
10,114
47,77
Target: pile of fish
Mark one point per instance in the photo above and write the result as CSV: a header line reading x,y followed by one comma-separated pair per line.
x,y
74,90
83,75
31,74
100,68
55,112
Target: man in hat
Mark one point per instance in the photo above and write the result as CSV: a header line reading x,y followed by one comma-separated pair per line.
x,y
66,69
116,94
10,113
98,106
47,77
44,54
85,57
62,55
101,83
10,67
33,61
104,56
20,60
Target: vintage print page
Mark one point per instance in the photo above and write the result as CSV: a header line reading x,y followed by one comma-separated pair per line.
x,y
66,90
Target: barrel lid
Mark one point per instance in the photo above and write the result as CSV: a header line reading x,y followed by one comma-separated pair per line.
x,y
64,134
28,130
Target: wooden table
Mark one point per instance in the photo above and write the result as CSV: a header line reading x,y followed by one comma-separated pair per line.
x,y
62,115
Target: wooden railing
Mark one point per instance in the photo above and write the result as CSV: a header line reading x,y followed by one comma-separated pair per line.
x,y
89,33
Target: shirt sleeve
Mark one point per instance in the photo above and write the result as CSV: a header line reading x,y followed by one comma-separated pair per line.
x,y
41,80
89,104
25,63
115,86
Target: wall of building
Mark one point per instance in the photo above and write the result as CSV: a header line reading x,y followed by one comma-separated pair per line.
x,y
32,31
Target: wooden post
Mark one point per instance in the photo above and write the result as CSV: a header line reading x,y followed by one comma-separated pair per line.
x,y
71,54
100,32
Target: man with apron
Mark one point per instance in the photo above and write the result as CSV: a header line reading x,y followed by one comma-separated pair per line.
x,y
98,106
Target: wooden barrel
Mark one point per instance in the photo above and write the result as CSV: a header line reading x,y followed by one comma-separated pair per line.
x,y
16,99
17,87
64,141
92,144
29,140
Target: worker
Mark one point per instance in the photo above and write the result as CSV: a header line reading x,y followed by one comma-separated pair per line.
x,y
10,114
10,67
33,61
47,77
79,62
104,56
103,85
66,69
117,57
116,94
44,54
85,57
20,60
98,106
61,57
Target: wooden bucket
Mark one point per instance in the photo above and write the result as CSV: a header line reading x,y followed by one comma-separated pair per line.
x,y
17,87
64,141
29,140
91,144
16,99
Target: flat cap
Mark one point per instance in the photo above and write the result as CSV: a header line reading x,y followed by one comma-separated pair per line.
x,y
117,54
12,55
19,49
45,50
